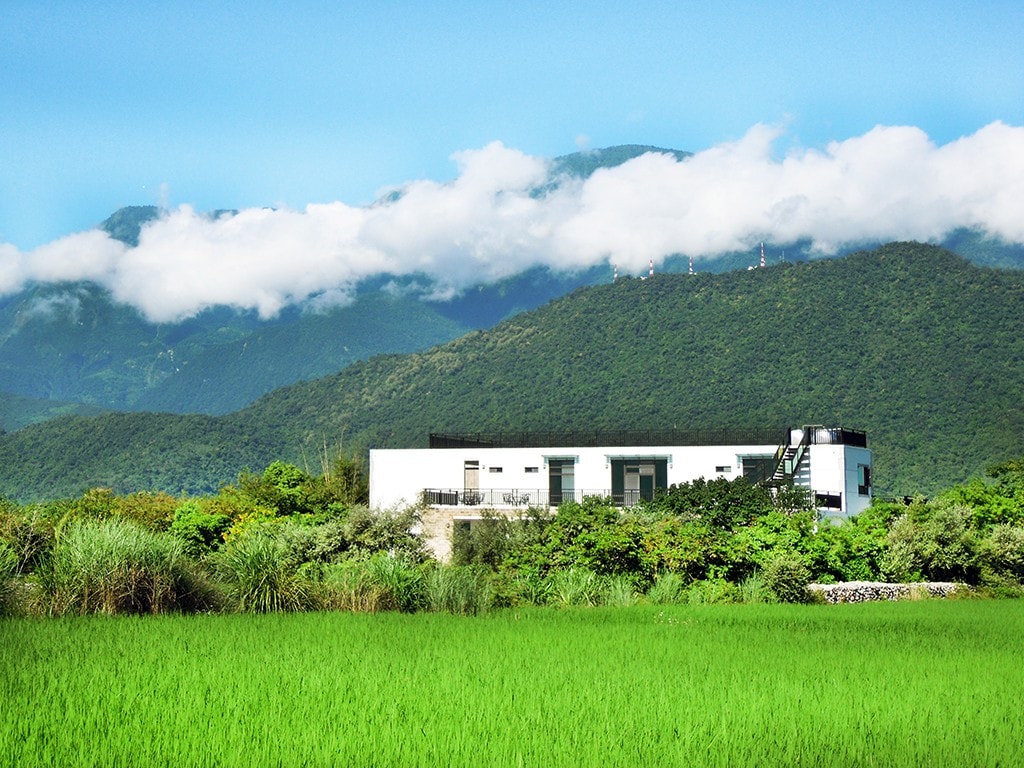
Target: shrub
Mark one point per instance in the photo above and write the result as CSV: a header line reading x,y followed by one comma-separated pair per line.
x,y
114,566
933,542
1003,551
481,542
199,532
389,531
710,591
753,590
618,590
348,586
524,587
29,533
786,578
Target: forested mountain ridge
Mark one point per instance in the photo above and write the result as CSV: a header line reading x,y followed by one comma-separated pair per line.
x,y
909,342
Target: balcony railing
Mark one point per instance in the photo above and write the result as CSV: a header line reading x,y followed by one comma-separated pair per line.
x,y
505,498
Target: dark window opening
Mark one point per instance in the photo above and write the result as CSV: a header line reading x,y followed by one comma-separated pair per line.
x,y
828,500
758,469
561,481
863,480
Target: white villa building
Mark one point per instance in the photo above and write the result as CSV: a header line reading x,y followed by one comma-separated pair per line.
x,y
459,476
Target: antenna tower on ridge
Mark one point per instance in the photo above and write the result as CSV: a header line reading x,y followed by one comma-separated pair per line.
x,y
762,253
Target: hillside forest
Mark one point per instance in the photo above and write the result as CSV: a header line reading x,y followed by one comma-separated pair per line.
x,y
914,345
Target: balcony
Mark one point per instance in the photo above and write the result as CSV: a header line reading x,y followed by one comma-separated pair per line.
x,y
521,498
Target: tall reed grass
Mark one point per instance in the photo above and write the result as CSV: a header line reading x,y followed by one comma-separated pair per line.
x,y
260,574
8,568
114,566
459,589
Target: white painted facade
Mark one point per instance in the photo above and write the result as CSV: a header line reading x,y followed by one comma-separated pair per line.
x,y
457,483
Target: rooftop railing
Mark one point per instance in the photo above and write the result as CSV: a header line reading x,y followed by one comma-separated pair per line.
x,y
612,438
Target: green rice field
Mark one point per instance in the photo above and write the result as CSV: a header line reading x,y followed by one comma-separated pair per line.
x,y
896,684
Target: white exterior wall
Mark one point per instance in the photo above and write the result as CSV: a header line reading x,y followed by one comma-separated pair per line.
x,y
398,476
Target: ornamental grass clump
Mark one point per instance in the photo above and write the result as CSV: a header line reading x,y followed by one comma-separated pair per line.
x,y
575,586
8,566
114,566
459,589
400,581
666,589
261,575
348,585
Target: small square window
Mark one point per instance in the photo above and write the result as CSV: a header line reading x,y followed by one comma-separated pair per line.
x,y
723,468
494,470
530,470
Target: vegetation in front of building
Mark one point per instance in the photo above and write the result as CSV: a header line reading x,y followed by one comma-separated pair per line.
x,y
289,540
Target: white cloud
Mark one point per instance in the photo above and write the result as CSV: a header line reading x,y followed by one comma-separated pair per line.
x,y
490,222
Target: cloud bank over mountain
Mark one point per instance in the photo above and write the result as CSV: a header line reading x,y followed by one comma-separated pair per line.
x,y
505,212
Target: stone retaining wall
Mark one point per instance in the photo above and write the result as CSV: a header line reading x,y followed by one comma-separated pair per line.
x,y
860,591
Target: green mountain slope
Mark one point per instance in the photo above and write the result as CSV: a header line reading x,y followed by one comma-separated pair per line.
x,y
17,412
909,342
226,377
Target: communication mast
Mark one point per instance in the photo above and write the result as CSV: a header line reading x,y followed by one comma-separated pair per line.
x,y
762,254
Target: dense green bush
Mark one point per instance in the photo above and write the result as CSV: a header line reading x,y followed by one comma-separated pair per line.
x,y
574,586
401,581
933,542
1002,552
785,578
348,585
29,533
666,589
199,532
482,542
711,591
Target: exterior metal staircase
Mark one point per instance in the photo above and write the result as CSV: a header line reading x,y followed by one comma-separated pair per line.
x,y
789,457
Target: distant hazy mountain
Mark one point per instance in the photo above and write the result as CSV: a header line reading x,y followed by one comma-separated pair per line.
x,y
72,342
909,342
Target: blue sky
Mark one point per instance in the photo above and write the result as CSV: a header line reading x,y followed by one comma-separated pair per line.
x,y
104,104
834,123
